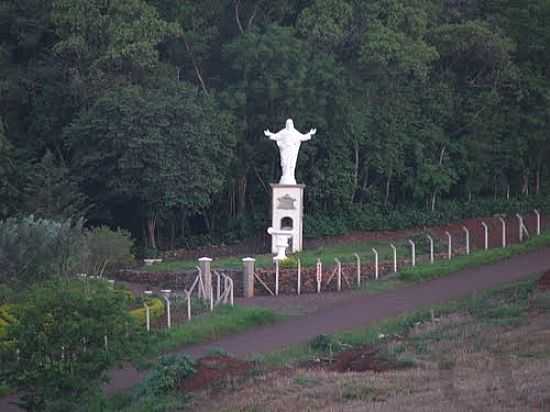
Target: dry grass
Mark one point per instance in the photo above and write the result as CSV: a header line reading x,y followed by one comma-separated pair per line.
x,y
463,363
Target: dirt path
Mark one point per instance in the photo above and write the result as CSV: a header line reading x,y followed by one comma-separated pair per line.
x,y
358,311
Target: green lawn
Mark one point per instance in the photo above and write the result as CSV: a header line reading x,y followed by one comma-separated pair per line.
x,y
344,252
479,258
225,320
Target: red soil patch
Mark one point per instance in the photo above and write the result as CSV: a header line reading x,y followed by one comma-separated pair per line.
x,y
212,370
362,359
544,281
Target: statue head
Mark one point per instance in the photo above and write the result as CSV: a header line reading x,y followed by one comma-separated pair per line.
x,y
289,124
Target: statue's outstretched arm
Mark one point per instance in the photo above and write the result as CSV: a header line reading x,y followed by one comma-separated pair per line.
x,y
308,135
272,136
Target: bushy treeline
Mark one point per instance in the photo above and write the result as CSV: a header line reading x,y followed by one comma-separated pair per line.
x,y
148,114
33,250
368,218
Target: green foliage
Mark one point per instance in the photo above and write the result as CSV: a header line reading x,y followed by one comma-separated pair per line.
x,y
107,250
68,335
225,320
443,268
33,249
52,192
154,110
168,375
156,308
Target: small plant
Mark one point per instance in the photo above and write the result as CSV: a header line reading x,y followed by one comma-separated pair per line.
x,y
291,262
325,343
216,352
169,374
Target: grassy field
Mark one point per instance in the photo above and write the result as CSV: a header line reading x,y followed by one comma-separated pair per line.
x,y
479,258
487,352
344,252
225,320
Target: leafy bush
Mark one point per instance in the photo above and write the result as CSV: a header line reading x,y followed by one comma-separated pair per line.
x,y
69,334
107,250
156,307
36,249
169,374
376,217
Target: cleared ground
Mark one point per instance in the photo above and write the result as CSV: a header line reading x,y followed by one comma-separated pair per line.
x,y
488,353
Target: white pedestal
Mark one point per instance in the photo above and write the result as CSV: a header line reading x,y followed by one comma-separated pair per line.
x,y
287,211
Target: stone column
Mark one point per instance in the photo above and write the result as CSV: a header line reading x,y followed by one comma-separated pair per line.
x,y
248,277
204,264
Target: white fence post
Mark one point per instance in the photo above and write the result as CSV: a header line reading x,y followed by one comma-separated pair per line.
x,y
231,300
276,277
338,274
503,223
319,274
188,296
486,234
537,213
147,317
166,296
394,249
413,253
211,300
431,239
467,232
358,259
299,286
520,226
449,246
375,263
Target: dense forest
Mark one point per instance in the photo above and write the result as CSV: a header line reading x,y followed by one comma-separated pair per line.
x,y
149,114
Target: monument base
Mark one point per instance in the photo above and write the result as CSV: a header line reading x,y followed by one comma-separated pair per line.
x,y
287,211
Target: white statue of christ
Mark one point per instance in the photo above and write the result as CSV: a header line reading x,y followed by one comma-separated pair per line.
x,y
289,140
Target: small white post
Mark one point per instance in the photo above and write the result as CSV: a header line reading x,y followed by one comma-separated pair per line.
x,y
449,246
188,294
147,311
276,277
166,296
431,239
486,234
219,284
358,259
338,274
211,300
467,232
520,226
503,223
147,317
299,285
537,213
394,249
375,263
319,275
231,295
413,253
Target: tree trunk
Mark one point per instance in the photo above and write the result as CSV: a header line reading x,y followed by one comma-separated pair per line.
x,y
537,180
525,184
388,187
151,223
355,171
432,203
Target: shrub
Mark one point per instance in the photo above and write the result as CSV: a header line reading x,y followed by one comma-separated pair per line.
x,y
60,333
34,250
107,250
156,307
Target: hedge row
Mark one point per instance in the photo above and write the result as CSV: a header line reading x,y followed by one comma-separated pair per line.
x,y
377,218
